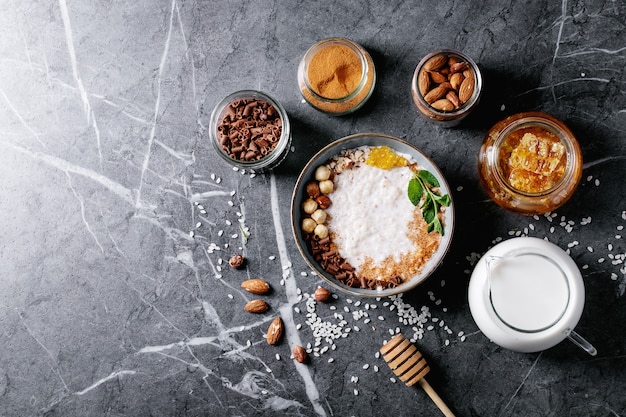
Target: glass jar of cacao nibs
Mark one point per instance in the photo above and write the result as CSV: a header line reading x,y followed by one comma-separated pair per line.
x,y
446,87
249,129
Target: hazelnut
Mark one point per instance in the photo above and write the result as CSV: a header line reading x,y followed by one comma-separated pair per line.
x,y
312,189
323,201
299,354
327,186
321,231
236,261
308,225
309,206
319,216
322,294
322,173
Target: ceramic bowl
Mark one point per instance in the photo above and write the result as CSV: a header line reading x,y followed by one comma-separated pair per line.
x,y
352,142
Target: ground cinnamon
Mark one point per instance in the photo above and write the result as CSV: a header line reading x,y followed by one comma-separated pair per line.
x,y
335,72
336,76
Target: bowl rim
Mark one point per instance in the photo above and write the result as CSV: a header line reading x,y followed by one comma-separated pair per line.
x,y
431,265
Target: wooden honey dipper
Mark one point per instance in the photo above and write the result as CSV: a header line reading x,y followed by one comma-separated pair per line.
x,y
410,366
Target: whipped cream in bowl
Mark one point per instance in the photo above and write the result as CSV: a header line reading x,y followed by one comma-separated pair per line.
x,y
372,215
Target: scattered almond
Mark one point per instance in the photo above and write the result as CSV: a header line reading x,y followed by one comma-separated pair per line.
x,y
299,354
275,331
256,306
256,286
322,294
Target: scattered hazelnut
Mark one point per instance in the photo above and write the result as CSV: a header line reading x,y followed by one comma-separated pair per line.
x,y
319,216
323,201
299,354
308,225
322,173
322,294
321,231
326,186
236,261
313,189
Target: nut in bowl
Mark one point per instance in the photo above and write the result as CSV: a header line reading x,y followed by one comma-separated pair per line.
x,y
446,86
372,215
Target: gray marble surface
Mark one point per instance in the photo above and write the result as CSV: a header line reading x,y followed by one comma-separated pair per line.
x,y
108,306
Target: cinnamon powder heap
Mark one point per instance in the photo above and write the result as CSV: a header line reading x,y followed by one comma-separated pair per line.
x,y
335,72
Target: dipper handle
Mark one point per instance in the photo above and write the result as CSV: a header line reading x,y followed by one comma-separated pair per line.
x,y
408,364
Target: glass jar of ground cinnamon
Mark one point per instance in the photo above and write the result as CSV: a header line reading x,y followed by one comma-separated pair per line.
x,y
530,163
336,76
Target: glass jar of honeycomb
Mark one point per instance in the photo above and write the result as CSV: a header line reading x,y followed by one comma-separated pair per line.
x,y
530,163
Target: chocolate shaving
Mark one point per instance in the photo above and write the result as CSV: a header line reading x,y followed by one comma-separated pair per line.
x,y
250,129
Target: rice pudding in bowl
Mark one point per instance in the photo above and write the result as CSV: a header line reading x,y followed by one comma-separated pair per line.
x,y
372,215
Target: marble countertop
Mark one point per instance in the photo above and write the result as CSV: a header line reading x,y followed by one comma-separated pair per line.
x,y
109,306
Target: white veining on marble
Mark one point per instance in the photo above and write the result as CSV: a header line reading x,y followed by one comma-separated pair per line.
x,y
53,361
81,202
157,105
254,383
21,119
63,165
532,367
111,376
286,310
84,96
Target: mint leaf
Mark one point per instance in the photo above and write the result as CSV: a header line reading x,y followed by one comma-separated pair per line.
x,y
415,191
421,187
444,200
428,178
429,211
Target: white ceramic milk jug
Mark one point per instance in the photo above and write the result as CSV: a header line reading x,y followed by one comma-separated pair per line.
x,y
526,294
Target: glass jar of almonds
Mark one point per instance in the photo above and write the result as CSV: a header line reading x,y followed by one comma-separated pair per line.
x,y
446,86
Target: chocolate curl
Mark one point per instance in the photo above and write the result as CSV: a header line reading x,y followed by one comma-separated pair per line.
x,y
247,111
230,113
271,111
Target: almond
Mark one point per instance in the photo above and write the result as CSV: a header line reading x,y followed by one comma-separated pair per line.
x,y
459,67
275,331
299,353
436,62
423,82
256,306
256,286
456,79
453,59
453,98
443,105
435,94
437,77
322,294
467,89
